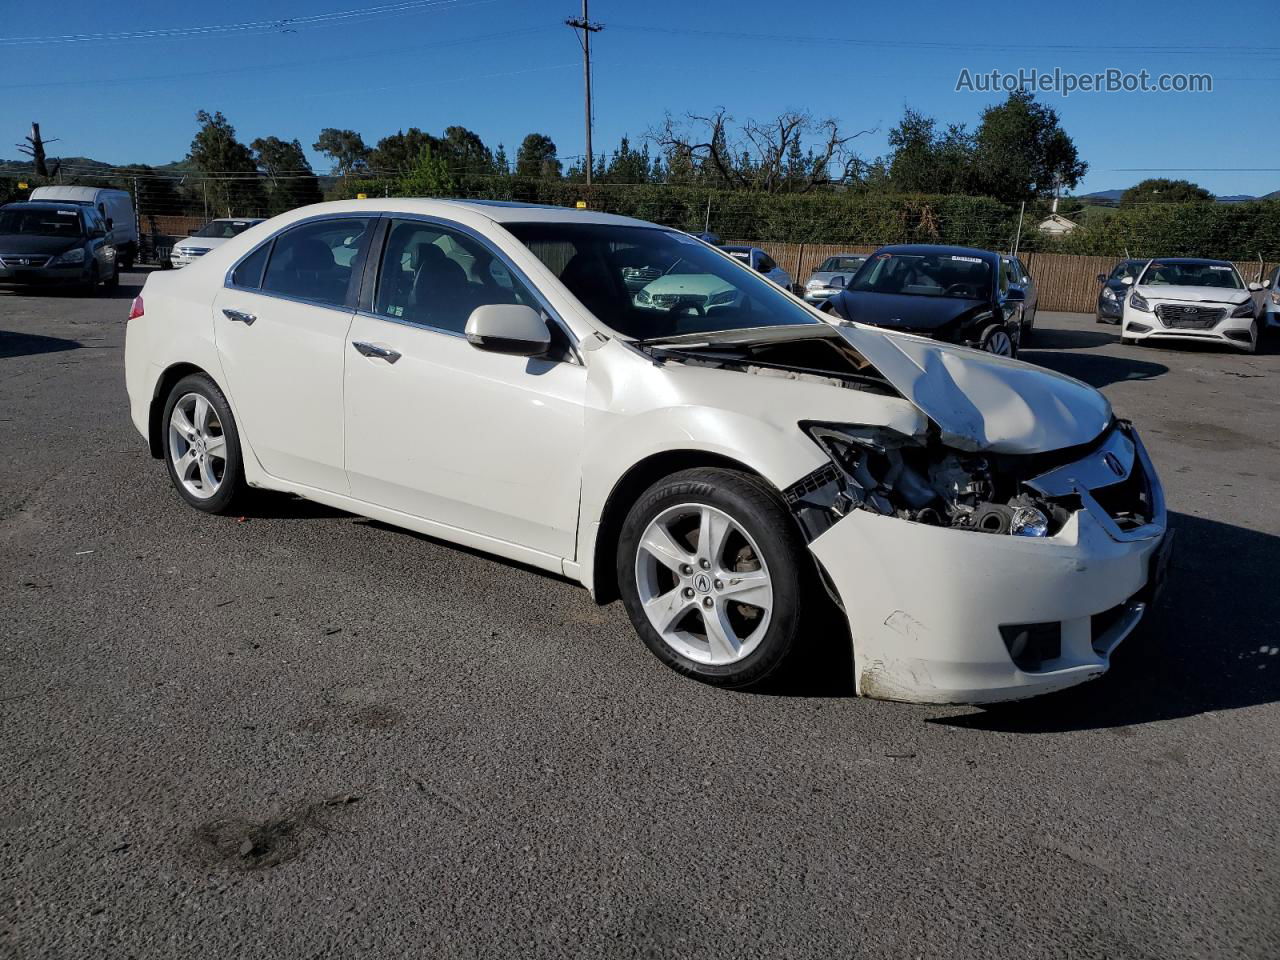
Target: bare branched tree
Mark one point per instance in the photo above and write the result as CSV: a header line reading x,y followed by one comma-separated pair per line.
x,y
791,153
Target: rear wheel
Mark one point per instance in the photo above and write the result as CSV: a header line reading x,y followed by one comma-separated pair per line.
x,y
202,445
710,568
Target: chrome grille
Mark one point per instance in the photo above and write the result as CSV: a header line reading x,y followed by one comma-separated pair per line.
x,y
679,299
1187,316
24,260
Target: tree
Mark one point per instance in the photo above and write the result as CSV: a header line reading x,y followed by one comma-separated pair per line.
x,y
292,182
345,147
537,158
627,165
924,161
1022,152
1160,190
430,176
231,185
501,165
465,152
768,156
397,154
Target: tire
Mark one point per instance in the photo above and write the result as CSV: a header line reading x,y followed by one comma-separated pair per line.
x,y
1131,341
757,554
113,282
1028,326
198,480
996,340
1255,346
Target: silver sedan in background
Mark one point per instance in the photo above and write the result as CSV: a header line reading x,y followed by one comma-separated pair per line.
x,y
843,265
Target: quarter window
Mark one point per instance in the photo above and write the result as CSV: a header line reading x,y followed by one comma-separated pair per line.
x,y
249,272
435,277
315,261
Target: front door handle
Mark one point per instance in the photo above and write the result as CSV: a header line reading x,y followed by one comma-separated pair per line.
x,y
239,316
373,350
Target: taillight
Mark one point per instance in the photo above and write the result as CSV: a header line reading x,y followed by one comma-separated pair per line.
x,y
135,308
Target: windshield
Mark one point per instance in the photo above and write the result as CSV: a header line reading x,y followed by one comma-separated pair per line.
x,y
925,275
41,223
1129,268
649,283
224,229
836,264
1161,274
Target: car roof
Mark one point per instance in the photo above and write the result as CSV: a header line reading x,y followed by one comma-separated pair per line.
x,y
926,249
1193,261
66,205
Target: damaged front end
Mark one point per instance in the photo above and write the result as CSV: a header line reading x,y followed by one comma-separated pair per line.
x,y
978,577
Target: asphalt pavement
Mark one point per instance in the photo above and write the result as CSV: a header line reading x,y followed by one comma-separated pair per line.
x,y
298,733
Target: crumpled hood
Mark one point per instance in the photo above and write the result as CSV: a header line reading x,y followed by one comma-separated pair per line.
x,y
983,402
1163,291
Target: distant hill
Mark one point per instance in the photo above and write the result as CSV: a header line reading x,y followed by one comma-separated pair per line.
x,y
1109,196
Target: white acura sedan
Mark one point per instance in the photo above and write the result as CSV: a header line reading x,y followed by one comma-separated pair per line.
x,y
481,372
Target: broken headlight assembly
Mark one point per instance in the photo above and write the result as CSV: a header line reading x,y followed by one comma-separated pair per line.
x,y
893,475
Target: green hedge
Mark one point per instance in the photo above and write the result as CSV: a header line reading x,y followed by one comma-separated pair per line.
x,y
1239,231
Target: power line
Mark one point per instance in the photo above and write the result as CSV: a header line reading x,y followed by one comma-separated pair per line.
x,y
257,68
278,25
1233,49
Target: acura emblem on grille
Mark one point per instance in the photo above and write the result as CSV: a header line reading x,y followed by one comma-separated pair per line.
x,y
1113,462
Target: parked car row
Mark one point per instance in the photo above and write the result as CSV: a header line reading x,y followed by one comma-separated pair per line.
x,y
1188,299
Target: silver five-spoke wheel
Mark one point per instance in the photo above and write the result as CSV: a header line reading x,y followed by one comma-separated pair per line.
x,y
197,446
703,583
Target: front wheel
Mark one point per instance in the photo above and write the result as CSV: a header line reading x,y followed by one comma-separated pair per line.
x,y
711,571
996,340
202,445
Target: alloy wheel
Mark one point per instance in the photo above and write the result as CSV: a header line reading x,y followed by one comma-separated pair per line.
x,y
704,584
999,344
197,446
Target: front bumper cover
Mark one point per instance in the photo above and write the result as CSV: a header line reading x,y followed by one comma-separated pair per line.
x,y
926,604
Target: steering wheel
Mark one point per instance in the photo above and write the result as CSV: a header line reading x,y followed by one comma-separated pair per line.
x,y
959,289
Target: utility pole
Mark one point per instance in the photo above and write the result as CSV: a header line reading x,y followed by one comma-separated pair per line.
x,y
584,24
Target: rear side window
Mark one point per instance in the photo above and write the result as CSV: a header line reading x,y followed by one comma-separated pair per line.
x,y
315,261
249,273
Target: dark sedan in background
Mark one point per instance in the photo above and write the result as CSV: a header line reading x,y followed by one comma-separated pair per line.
x,y
1111,296
961,295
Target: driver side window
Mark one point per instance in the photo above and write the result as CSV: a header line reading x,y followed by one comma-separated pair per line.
x,y
433,276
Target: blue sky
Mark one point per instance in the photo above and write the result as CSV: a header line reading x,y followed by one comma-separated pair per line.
x,y
508,67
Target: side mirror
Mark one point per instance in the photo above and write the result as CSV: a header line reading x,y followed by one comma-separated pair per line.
x,y
836,282
508,328
1256,286
1102,278
1127,281
1015,295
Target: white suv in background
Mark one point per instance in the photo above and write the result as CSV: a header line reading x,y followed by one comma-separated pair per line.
x,y
213,234
1182,298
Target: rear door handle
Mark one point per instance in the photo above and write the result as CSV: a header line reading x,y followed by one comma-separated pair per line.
x,y
239,316
373,350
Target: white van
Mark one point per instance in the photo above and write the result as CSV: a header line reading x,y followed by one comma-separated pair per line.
x,y
115,206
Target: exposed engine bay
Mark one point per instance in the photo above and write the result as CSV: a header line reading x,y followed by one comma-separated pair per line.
x,y
896,476
922,479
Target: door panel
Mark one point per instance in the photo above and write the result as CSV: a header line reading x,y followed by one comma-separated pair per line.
x,y
284,371
485,442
